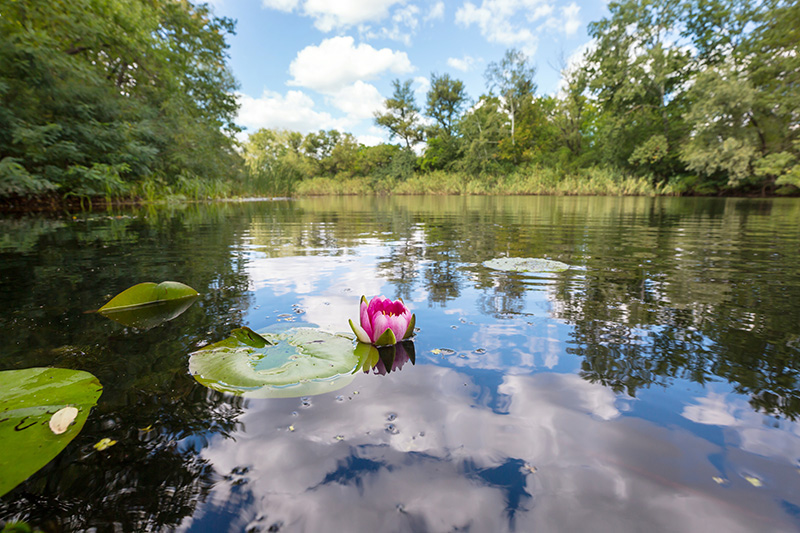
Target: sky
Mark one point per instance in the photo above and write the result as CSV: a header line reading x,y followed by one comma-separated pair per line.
x,y
307,65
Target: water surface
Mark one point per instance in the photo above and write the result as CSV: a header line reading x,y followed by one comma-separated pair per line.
x,y
653,386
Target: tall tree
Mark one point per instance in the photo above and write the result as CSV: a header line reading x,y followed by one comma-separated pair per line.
x,y
512,81
639,75
401,117
446,99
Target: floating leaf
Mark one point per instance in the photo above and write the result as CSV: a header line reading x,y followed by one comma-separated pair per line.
x,y
29,399
60,421
525,264
104,444
147,305
296,362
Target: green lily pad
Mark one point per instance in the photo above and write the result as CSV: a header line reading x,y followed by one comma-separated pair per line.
x,y
147,305
28,400
295,362
525,264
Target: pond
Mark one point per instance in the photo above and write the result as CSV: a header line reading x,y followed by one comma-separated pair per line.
x,y
653,385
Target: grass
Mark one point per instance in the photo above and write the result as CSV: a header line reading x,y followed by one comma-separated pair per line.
x,y
525,181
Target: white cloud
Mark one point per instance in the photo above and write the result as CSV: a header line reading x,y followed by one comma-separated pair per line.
x,y
568,22
405,22
281,5
359,100
370,140
294,111
341,14
436,12
572,22
337,63
463,64
499,20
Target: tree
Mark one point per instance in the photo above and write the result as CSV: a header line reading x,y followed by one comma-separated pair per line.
x,y
445,101
402,115
482,128
744,114
639,74
96,95
512,80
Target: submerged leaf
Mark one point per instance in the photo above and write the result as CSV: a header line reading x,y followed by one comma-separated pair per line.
x,y
30,400
525,264
249,337
295,362
104,444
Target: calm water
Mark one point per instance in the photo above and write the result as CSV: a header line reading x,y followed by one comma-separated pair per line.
x,y
653,387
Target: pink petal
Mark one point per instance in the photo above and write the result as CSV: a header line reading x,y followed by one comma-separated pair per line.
x,y
380,324
399,324
375,306
366,324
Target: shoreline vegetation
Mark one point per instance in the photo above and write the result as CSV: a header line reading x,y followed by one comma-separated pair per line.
x,y
110,102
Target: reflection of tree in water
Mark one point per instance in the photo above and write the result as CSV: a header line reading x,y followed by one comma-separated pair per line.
x,y
504,298
399,267
710,301
160,417
152,478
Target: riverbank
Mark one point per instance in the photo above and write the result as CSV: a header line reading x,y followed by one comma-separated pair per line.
x,y
543,182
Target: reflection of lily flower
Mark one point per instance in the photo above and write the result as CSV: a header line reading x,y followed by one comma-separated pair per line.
x,y
385,359
383,322
393,358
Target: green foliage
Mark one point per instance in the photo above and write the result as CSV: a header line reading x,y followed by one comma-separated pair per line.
x,y
512,81
97,95
401,117
445,102
694,97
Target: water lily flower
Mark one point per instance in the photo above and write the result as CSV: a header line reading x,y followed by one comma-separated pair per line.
x,y
384,322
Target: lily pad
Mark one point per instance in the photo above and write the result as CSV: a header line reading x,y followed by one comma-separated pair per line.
x,y
295,362
525,264
147,305
29,399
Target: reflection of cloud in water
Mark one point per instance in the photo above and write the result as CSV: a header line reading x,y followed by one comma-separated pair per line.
x,y
749,430
326,302
417,451
510,347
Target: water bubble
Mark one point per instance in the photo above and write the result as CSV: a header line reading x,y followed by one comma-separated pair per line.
x,y
391,417
453,327
305,401
340,398
391,428
479,351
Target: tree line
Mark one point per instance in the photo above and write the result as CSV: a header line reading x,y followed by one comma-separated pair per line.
x,y
696,97
111,98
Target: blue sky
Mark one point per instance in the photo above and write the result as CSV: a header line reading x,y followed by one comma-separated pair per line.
x,y
307,65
